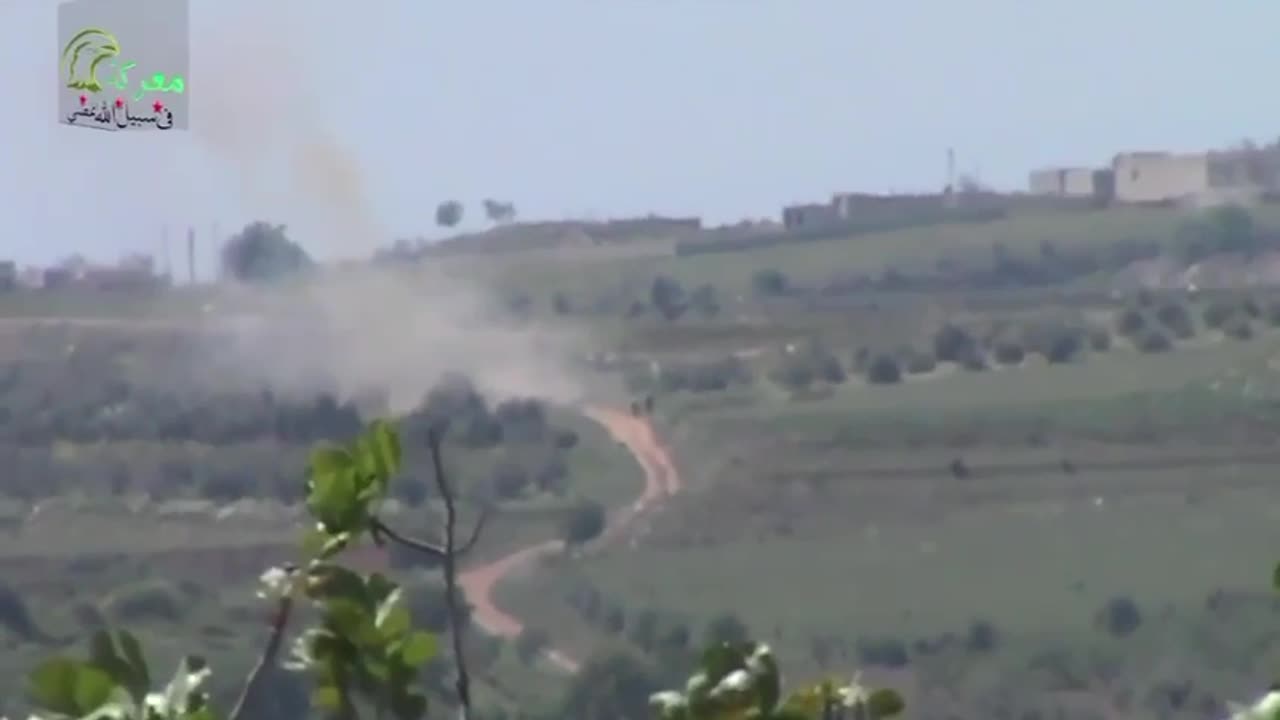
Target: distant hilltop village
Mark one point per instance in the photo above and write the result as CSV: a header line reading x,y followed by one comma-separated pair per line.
x,y
1245,175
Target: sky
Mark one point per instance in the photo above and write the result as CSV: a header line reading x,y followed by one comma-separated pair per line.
x,y
350,121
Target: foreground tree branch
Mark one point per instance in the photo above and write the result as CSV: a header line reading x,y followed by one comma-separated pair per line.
x,y
267,660
449,559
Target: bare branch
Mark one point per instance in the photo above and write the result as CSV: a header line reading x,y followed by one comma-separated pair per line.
x,y
463,684
268,658
380,528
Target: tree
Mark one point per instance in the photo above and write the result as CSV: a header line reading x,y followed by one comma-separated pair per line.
x,y
262,252
769,282
668,296
583,523
530,644
498,212
449,213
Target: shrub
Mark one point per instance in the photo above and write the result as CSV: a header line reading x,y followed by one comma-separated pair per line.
x,y
1099,339
919,363
583,523
982,637
883,370
1239,329
1176,319
146,601
1154,341
1119,617
1063,347
830,370
974,361
884,652
1009,353
530,644
1217,313
953,344
861,360
615,619
769,282
1130,322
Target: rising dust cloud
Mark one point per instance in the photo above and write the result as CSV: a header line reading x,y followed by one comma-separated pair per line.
x,y
361,329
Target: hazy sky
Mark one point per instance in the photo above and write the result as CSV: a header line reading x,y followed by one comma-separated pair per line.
x,y
349,121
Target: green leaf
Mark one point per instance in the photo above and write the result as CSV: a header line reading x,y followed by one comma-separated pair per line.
x,y
330,460
326,580
387,619
418,648
327,697
52,686
334,501
93,688
885,703
385,444
1275,577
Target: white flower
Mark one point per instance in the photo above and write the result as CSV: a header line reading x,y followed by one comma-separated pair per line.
x,y
277,583
736,681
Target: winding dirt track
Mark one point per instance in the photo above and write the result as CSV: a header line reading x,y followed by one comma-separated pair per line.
x,y
660,481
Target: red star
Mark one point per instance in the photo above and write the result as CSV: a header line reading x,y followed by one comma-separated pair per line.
x,y
119,102
83,99
157,106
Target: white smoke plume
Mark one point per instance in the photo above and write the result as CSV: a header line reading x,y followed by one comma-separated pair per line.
x,y
367,328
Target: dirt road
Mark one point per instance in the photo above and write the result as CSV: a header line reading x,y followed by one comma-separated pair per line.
x,y
660,481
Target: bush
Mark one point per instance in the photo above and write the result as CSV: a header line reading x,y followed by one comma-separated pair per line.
x,y
1119,617
1009,353
919,363
583,523
1239,329
1130,322
974,361
530,644
1176,319
1063,347
884,652
953,344
883,370
1099,339
1217,313
147,601
982,637
769,282
831,371
1154,341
